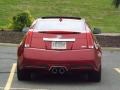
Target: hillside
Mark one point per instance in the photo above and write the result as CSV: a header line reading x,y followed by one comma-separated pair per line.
x,y
99,13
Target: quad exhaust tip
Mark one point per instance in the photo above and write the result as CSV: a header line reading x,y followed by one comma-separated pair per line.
x,y
62,71
58,70
54,70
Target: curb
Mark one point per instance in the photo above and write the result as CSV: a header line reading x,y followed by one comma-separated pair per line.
x,y
111,48
9,44
108,34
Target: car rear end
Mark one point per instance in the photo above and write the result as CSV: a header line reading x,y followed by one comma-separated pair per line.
x,y
59,45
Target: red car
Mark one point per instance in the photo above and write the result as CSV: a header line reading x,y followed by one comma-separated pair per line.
x,y
59,45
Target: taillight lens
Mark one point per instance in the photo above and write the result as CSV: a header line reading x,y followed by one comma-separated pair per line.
x,y
90,42
28,39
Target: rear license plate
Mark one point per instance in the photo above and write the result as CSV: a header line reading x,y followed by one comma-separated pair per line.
x,y
58,45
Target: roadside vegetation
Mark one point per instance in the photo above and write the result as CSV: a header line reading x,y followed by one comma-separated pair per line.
x,y
21,20
99,13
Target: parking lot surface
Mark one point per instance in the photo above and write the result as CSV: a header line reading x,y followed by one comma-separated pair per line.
x,y
8,79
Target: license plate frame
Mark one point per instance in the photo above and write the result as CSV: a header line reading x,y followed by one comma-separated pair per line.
x,y
58,45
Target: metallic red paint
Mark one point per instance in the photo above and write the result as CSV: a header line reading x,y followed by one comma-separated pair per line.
x,y
82,54
33,58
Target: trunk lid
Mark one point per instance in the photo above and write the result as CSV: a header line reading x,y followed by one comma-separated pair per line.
x,y
59,41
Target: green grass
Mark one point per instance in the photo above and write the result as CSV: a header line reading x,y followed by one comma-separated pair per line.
x,y
99,13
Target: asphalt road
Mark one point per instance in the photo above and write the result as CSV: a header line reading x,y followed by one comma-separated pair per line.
x,y
8,79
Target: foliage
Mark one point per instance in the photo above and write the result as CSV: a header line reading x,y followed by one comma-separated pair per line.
x,y
21,20
96,31
116,3
99,13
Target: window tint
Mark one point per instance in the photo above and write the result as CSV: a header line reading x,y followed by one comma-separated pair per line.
x,y
69,25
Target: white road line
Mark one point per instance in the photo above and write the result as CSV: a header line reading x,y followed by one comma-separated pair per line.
x,y
26,89
117,69
1,88
10,79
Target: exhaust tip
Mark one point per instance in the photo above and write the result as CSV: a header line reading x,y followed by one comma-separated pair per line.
x,y
58,70
62,71
54,70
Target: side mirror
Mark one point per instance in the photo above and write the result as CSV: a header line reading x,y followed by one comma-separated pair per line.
x,y
25,29
96,31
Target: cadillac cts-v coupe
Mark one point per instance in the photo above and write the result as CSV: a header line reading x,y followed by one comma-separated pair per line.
x,y
59,45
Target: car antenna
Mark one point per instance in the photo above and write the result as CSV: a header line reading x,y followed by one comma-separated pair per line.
x,y
60,19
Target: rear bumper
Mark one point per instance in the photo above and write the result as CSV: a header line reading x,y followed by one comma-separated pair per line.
x,y
33,58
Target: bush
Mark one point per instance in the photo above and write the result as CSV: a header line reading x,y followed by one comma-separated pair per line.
x,y
21,20
96,31
116,3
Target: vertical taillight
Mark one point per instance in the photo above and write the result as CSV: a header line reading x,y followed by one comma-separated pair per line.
x,y
28,39
90,42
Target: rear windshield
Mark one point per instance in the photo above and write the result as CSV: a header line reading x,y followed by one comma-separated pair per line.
x,y
69,25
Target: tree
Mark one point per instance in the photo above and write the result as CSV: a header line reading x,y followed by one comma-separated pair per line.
x,y
116,3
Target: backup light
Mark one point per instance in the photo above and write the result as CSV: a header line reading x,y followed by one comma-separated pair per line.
x,y
27,45
90,46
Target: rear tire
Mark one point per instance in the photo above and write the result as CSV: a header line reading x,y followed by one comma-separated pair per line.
x,y
95,76
23,74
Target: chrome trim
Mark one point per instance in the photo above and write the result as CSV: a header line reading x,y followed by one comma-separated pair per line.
x,y
58,67
59,39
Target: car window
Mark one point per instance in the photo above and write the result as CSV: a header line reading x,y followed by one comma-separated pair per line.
x,y
64,25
